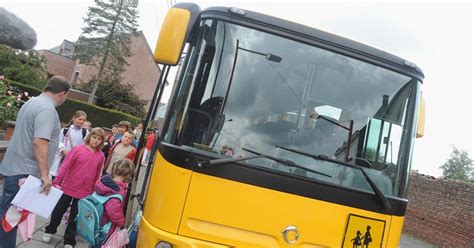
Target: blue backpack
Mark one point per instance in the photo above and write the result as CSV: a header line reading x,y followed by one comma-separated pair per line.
x,y
89,218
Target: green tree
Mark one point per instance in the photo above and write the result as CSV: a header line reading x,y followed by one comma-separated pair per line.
x,y
24,67
116,96
106,38
458,166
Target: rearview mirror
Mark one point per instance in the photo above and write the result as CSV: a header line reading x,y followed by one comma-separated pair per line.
x,y
174,33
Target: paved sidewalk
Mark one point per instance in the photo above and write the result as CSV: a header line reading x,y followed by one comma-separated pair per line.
x,y
408,241
56,240
41,223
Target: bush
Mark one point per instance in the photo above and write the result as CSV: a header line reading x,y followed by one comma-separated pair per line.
x,y
9,103
99,117
32,91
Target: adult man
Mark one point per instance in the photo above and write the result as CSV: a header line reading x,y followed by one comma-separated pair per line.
x,y
32,147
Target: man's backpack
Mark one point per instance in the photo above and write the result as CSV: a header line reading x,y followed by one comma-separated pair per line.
x,y
89,218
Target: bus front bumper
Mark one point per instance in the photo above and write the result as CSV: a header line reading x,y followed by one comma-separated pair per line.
x,y
149,237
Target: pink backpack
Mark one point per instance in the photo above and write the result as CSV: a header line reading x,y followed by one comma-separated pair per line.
x,y
117,239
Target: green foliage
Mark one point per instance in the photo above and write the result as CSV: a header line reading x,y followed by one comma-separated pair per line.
x,y
106,36
8,104
32,91
26,67
99,117
11,99
458,166
116,96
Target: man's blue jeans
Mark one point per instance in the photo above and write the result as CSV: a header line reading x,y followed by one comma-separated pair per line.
x,y
10,188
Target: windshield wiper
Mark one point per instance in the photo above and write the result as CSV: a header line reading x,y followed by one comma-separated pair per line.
x,y
286,162
374,187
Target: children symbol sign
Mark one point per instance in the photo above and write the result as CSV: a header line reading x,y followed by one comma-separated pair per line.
x,y
363,232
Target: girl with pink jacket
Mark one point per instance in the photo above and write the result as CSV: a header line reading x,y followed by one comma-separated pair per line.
x,y
76,178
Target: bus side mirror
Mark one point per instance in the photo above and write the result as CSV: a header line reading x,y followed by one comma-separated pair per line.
x,y
175,32
420,129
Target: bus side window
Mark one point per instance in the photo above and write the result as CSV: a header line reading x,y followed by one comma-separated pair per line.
x,y
200,117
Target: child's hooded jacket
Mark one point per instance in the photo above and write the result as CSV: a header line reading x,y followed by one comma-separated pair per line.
x,y
113,208
80,171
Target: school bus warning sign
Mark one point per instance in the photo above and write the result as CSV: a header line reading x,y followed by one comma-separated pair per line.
x,y
363,232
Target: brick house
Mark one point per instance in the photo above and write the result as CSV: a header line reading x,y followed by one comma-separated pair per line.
x,y
143,73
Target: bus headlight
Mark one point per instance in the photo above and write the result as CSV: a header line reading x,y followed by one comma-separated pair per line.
x,y
163,244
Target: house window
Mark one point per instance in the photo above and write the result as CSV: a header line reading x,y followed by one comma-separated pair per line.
x,y
76,76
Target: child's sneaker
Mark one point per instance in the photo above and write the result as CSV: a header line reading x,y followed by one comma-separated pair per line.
x,y
68,246
47,237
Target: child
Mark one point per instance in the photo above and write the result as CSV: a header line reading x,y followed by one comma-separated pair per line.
x,y
137,132
122,149
76,178
71,135
123,126
109,141
356,241
148,146
114,131
88,125
115,183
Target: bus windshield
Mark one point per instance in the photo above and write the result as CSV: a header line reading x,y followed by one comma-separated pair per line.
x,y
245,88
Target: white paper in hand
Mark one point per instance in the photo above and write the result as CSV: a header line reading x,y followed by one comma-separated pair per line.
x,y
30,198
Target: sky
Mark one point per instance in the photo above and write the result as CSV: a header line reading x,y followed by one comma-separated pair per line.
x,y
437,36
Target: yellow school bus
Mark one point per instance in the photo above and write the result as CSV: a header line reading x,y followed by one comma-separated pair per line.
x,y
278,135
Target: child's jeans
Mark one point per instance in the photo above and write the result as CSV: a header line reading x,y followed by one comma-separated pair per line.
x,y
57,215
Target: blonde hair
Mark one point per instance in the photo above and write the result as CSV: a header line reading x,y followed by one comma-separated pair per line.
x,y
98,132
124,168
129,132
79,113
76,114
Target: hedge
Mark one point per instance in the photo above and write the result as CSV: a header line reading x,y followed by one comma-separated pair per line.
x,y
98,116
